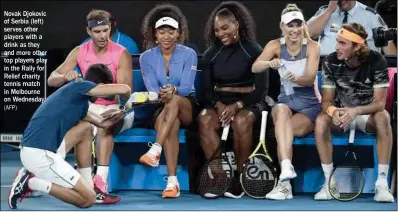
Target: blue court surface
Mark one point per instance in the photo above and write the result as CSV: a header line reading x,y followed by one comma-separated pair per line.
x,y
152,200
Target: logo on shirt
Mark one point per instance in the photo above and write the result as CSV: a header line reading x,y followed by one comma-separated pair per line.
x,y
334,28
367,80
193,68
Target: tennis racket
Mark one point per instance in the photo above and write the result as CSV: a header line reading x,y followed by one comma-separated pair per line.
x,y
212,180
347,179
259,176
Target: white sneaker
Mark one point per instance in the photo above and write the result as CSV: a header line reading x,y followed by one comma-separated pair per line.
x,y
172,189
152,157
287,174
282,191
383,194
324,193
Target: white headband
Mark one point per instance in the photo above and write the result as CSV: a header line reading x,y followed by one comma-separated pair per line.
x,y
290,16
166,21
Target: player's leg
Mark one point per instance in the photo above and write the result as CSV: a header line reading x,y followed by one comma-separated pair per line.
x,y
323,128
53,175
242,125
171,150
177,108
209,126
379,123
281,115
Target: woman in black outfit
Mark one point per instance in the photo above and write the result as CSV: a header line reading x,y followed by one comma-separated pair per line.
x,y
232,93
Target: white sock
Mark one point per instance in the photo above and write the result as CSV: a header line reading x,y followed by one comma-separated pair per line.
x,y
37,184
382,171
286,164
128,121
285,183
327,171
103,172
172,179
86,174
155,149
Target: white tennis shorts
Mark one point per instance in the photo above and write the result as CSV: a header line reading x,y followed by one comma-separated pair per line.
x,y
49,166
362,120
98,109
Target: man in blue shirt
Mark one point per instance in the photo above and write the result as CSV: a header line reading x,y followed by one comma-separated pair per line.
x,y
60,123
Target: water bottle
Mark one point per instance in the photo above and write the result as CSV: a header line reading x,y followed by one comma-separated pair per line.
x,y
287,84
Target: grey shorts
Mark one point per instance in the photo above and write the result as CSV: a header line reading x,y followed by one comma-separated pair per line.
x,y
302,101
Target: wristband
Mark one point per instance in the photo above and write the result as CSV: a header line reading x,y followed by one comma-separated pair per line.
x,y
331,110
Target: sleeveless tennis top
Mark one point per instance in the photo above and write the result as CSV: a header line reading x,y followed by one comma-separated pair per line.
x,y
111,59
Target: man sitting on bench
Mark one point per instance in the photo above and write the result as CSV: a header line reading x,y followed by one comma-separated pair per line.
x,y
354,86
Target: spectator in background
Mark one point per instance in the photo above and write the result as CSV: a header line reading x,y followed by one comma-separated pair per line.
x,y
295,114
328,21
355,81
232,93
169,69
100,49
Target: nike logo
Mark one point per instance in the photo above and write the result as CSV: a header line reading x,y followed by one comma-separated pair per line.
x,y
164,20
87,61
100,22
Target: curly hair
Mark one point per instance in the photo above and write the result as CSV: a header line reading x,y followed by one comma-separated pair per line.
x,y
358,29
159,11
247,26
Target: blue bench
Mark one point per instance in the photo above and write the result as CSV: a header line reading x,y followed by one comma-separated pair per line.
x,y
127,173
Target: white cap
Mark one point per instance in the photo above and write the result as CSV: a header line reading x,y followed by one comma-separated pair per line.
x,y
166,21
290,16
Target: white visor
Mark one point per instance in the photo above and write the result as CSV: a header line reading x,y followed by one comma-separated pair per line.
x,y
166,21
290,16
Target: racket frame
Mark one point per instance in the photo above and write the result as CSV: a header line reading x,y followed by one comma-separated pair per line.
x,y
350,149
264,115
214,156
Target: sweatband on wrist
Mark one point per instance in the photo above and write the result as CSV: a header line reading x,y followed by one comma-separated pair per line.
x,y
331,110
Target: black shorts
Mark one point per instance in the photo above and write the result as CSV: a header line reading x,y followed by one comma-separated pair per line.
x,y
159,108
230,98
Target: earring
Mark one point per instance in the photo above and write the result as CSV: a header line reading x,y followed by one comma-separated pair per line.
x,y
156,42
234,37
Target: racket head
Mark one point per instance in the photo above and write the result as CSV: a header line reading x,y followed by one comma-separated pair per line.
x,y
212,180
258,176
347,180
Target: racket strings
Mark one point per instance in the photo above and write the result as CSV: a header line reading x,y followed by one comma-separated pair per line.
x,y
258,177
213,179
349,181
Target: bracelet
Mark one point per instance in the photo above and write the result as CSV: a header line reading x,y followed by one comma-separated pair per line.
x,y
331,110
240,104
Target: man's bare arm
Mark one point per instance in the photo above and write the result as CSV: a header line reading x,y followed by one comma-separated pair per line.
x,y
125,70
327,98
378,104
107,90
57,77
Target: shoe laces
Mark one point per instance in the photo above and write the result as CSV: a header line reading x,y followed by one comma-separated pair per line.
x,y
152,153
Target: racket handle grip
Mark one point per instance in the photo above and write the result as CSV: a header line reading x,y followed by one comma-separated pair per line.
x,y
264,116
353,126
225,133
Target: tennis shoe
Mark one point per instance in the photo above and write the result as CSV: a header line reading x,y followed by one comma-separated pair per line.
x,y
282,191
383,194
324,193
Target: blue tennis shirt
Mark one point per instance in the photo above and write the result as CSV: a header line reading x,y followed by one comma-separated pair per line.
x,y
61,111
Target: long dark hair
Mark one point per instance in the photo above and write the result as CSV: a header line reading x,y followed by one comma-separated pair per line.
x,y
247,26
